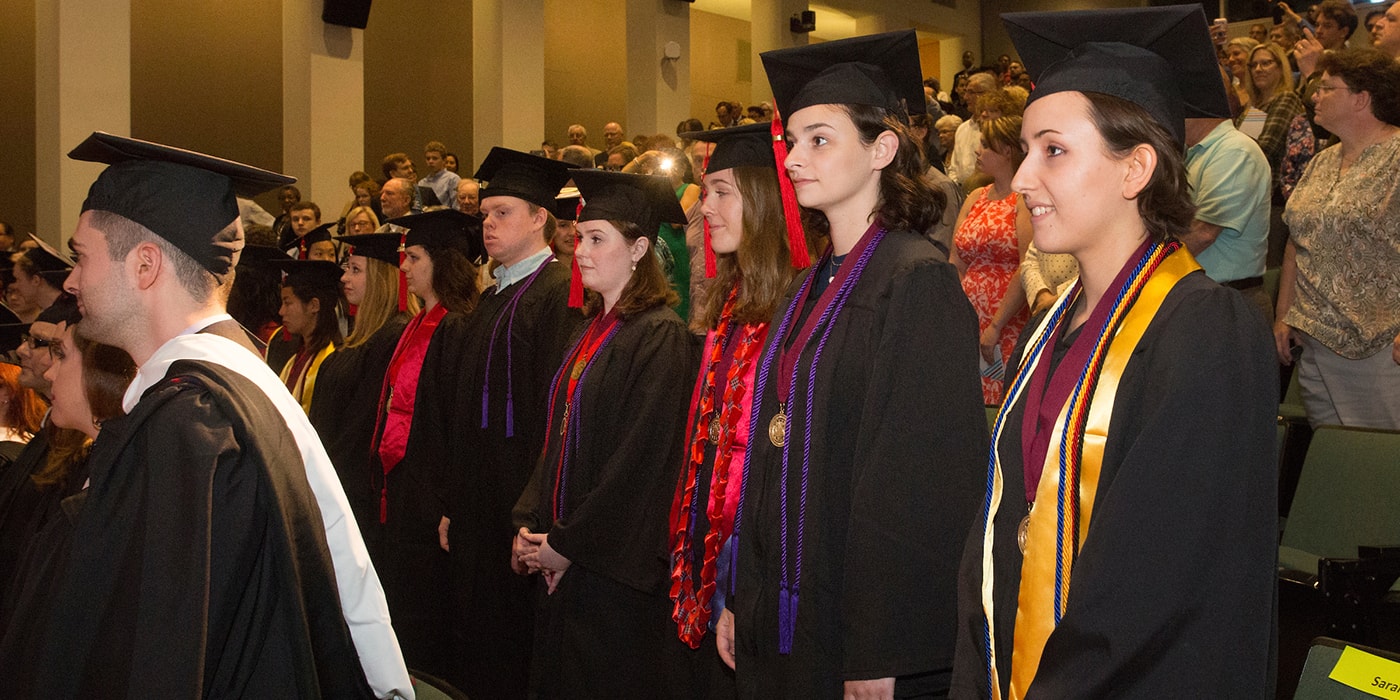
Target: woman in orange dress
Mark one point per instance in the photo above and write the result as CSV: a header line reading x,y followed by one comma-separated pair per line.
x,y
993,231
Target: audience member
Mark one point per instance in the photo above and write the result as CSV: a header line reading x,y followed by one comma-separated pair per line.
x,y
619,156
466,199
303,217
1339,290
1386,33
1258,32
449,161
993,230
286,197
1236,59
442,181
963,164
396,198
1286,138
577,156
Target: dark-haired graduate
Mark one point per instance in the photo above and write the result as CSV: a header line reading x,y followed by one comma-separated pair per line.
x,y
411,454
592,520
866,470
515,342
1128,543
310,296
345,399
752,251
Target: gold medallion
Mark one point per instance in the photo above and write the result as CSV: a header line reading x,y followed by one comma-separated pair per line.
x,y
714,430
1023,532
777,429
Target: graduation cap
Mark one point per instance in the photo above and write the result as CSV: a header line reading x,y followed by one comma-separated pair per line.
x,y
48,260
64,309
1160,58
383,247
259,254
301,247
12,330
880,70
645,200
510,173
321,276
444,228
566,204
185,197
752,145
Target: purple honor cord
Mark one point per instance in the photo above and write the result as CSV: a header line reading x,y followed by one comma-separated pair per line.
x,y
507,310
788,589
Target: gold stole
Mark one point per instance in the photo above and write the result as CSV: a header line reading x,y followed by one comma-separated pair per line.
x,y
1035,614
305,386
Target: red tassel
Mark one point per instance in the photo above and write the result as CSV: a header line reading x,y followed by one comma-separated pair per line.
x,y
576,277
710,269
797,240
403,281
576,288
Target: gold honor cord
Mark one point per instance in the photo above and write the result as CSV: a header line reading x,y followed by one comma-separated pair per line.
x,y
1037,600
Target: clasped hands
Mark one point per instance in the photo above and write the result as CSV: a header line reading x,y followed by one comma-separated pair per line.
x,y
531,553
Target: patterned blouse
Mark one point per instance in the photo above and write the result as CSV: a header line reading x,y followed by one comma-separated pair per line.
x,y
1346,228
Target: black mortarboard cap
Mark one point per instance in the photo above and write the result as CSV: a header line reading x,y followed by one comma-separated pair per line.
x,y
258,254
747,145
64,309
379,246
319,275
48,260
880,70
1160,58
12,329
187,198
645,200
566,204
444,228
299,247
514,174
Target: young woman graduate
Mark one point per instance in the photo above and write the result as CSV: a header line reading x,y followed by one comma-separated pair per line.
x,y
88,379
1127,546
593,517
346,397
864,476
752,252
310,296
410,455
315,245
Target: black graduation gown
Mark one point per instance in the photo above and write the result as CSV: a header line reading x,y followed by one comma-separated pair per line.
x,y
344,408
405,548
21,501
601,633
198,563
1173,593
897,464
30,602
493,607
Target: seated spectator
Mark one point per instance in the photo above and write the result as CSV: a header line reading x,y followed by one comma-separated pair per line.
x,y
468,197
619,156
947,127
577,156
303,218
449,161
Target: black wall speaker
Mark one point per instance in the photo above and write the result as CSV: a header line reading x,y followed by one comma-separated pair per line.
x,y
346,13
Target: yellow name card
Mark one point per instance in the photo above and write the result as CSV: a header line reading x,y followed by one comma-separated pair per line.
x,y
1368,673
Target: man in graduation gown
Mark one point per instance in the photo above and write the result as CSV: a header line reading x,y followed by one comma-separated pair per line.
x,y
215,554
516,340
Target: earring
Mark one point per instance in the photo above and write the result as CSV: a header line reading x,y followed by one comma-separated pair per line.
x,y
634,267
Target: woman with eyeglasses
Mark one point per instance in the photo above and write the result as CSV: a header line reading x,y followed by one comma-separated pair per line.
x,y
1286,138
1339,291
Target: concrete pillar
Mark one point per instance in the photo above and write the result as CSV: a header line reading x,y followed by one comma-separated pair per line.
x,y
508,75
82,84
658,87
770,28
323,104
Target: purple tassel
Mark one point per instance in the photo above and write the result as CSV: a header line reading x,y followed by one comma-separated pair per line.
x,y
787,619
510,416
485,406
